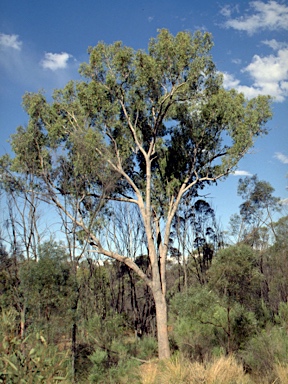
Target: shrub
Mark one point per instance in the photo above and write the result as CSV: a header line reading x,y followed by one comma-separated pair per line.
x,y
264,351
31,360
99,359
205,323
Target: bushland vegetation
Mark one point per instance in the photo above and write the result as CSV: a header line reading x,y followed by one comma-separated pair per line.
x,y
90,319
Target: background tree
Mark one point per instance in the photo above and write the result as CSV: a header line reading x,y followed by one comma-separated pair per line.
x,y
235,275
196,237
274,265
23,232
144,128
254,224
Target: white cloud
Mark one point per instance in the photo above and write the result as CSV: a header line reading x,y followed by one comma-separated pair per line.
x,y
274,44
236,61
241,173
150,18
55,61
271,15
269,75
227,10
10,41
229,81
281,157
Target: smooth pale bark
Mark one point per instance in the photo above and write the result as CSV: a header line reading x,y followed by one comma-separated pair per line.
x,y
161,319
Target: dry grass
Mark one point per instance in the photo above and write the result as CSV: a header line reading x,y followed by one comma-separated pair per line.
x,y
177,371
281,371
148,373
224,370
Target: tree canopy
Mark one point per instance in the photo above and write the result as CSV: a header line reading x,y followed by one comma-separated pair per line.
x,y
167,106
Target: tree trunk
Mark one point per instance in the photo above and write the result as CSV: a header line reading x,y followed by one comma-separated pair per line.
x,y
161,321
73,349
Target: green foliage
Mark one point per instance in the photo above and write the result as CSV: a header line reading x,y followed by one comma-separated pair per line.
x,y
258,195
99,359
235,275
95,293
9,279
30,360
119,364
114,350
47,285
281,230
168,102
265,350
105,330
254,224
275,269
101,345
207,323
282,317
144,348
120,371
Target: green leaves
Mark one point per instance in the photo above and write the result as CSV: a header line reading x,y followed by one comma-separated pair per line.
x,y
30,360
205,322
164,108
235,276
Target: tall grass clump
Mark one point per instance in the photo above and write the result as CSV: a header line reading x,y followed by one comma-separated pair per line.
x,y
178,370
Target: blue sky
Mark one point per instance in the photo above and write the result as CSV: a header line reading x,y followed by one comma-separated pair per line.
x,y
43,42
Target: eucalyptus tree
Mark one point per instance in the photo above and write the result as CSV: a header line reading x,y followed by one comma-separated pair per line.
x,y
259,202
145,128
254,223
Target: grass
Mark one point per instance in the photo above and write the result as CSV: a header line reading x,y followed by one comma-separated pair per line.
x,y
223,370
282,373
